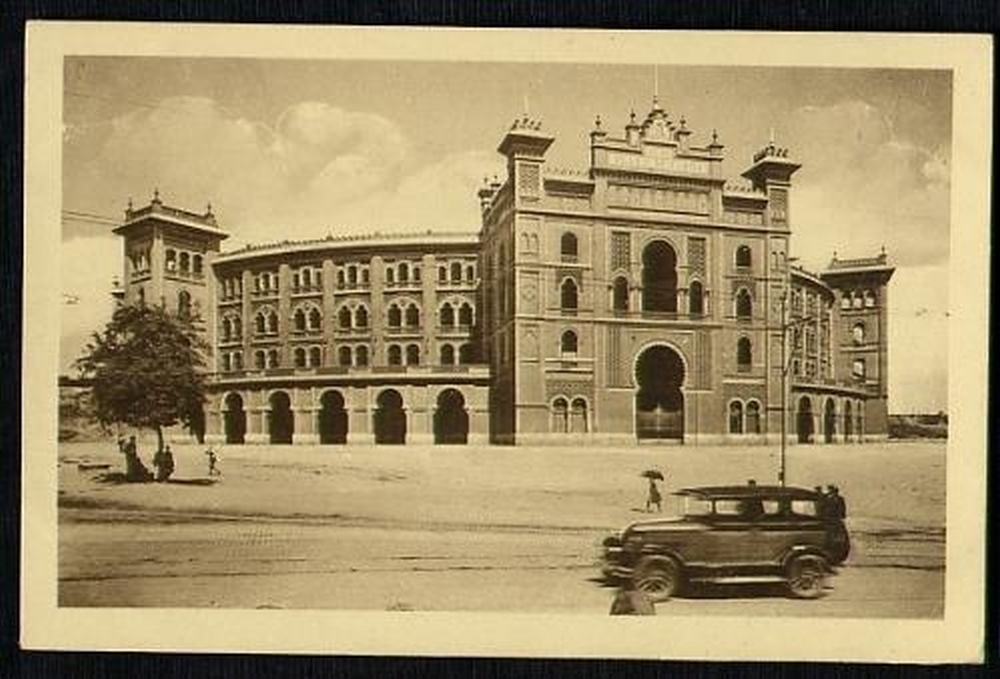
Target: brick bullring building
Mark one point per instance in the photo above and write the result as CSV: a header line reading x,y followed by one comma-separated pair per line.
x,y
644,298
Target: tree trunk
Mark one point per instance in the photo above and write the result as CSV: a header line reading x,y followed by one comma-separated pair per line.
x,y
159,439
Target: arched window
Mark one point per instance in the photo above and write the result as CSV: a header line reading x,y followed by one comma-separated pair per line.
x,y
470,273
171,259
568,295
735,417
197,264
659,278
259,360
300,357
416,273
845,300
412,316
743,257
352,275
568,343
744,305
447,354
227,363
744,354
442,274
344,356
456,272
465,354
183,303
568,247
465,314
620,295
858,368
361,356
447,316
344,318
395,355
753,417
412,354
404,272
560,416
300,320
315,319
858,333
869,299
857,300
395,316
237,328
273,360
578,416
390,275
260,323
696,299
227,330
340,279
237,360
315,357
272,322
361,317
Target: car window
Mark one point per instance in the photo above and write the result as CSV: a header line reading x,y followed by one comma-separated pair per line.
x,y
728,507
697,507
771,507
804,507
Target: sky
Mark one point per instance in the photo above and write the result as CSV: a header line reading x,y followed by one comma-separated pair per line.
x,y
290,149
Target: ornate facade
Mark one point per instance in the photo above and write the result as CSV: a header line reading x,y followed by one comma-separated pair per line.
x,y
643,298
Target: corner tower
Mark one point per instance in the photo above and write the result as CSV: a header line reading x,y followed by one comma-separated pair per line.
x,y
861,332
168,256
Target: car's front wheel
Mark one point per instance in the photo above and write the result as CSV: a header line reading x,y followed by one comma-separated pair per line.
x,y
658,577
807,575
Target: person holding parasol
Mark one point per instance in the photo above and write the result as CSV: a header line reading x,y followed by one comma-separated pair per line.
x,y
654,497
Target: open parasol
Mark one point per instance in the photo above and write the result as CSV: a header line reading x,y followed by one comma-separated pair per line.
x,y
653,474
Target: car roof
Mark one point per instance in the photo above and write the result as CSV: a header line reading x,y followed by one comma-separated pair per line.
x,y
746,491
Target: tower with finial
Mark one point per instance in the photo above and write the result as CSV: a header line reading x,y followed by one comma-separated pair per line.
x,y
168,255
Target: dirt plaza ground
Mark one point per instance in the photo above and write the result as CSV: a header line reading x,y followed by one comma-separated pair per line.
x,y
464,528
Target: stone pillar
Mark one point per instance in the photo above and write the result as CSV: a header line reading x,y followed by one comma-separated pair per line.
x,y
359,416
419,416
257,418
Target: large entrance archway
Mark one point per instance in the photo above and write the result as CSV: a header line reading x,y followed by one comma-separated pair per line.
x,y
332,418
659,403
804,420
829,420
281,422
659,278
451,421
235,419
390,418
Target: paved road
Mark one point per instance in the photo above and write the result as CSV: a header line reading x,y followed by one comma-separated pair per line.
x,y
138,559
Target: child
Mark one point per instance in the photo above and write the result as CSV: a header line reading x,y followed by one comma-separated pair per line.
x,y
212,469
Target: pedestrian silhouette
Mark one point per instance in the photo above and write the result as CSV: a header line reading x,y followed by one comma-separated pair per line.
x,y
213,470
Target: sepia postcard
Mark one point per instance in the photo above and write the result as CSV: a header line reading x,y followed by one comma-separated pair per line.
x,y
404,341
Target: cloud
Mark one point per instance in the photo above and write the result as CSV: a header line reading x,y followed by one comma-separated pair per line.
x,y
862,187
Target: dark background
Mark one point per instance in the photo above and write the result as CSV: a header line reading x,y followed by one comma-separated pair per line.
x,y
922,16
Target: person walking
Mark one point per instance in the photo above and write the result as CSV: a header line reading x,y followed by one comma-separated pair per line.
x,y
213,470
654,497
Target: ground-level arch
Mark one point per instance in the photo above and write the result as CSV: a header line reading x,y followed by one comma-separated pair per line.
x,y
333,423
234,418
390,418
281,420
451,420
659,401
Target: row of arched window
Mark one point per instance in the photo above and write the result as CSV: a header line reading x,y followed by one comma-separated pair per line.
x,y
352,277
350,355
306,279
744,418
232,287
183,262
402,273
308,317
569,416
569,299
452,273
139,260
858,299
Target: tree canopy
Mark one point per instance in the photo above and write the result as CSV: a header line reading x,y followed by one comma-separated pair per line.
x,y
147,368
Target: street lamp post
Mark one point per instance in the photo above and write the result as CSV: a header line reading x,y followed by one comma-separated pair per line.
x,y
786,324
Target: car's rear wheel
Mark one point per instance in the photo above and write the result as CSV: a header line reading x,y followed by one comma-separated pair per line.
x,y
659,578
807,575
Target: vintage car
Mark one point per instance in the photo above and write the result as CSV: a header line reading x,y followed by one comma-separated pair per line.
x,y
733,534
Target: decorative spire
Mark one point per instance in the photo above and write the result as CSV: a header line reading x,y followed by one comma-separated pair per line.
x,y
597,122
156,195
208,209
